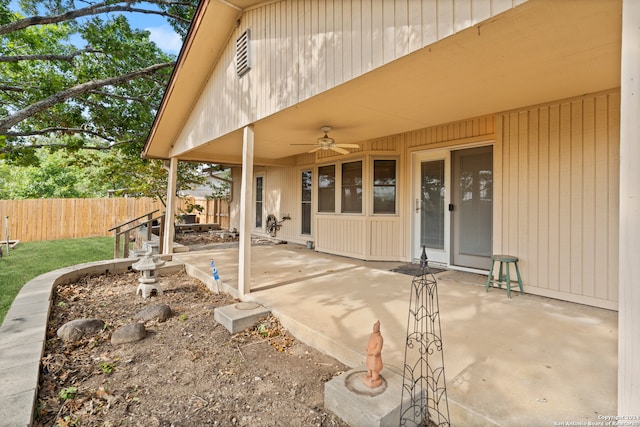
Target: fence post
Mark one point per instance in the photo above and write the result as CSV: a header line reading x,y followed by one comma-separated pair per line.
x,y
116,252
161,234
6,226
125,251
149,226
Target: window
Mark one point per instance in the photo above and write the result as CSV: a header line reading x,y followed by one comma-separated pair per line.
x,y
327,188
384,186
352,187
306,202
259,187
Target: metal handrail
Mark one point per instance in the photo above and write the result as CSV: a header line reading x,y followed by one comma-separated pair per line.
x,y
119,232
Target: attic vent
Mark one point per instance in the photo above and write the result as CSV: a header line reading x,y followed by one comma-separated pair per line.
x,y
243,59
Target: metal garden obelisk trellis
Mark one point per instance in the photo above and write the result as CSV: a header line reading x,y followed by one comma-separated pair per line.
x,y
424,390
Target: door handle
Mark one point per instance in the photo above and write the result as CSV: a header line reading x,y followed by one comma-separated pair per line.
x,y
451,207
417,205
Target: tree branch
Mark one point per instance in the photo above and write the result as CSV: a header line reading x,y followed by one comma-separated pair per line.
x,y
8,149
11,88
62,130
9,121
48,57
96,9
122,97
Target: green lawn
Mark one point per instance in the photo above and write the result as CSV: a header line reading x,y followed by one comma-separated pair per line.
x,y
31,259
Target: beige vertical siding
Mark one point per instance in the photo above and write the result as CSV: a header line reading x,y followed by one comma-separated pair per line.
x,y
470,130
302,48
342,235
385,242
282,197
556,196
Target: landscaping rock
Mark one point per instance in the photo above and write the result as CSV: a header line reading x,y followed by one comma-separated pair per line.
x,y
76,329
128,333
160,312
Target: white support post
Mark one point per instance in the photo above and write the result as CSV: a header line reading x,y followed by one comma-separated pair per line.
x,y
246,207
629,239
169,227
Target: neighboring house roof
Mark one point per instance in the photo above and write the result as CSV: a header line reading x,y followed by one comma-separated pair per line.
x,y
535,52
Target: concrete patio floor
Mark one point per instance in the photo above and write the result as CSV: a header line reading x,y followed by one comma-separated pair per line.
x,y
527,360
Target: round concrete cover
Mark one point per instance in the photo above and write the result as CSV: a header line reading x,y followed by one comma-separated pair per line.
x,y
354,382
246,306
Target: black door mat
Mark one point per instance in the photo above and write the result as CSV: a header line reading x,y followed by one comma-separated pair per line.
x,y
415,269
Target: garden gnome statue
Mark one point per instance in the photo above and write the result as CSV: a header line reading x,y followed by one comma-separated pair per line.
x,y
374,358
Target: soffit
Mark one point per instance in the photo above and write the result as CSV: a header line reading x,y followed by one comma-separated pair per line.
x,y
214,22
540,51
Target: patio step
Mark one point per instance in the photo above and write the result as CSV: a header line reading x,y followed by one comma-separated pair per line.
x,y
237,317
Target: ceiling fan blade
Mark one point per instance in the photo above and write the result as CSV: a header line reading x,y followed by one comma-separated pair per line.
x,y
338,149
346,145
303,144
315,149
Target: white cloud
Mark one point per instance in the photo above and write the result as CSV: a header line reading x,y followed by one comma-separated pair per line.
x,y
165,38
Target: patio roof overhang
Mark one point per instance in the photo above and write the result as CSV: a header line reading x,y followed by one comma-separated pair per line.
x,y
537,52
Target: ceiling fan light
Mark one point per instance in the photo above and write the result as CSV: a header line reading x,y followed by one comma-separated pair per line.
x,y
325,140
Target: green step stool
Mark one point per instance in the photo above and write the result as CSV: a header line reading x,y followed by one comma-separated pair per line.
x,y
504,277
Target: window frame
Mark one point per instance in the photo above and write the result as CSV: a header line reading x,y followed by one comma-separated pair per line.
x,y
319,188
373,186
355,186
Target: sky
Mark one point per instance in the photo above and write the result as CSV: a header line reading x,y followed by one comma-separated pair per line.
x,y
160,31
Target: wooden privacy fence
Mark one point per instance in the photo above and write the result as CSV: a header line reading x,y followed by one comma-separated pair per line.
x,y
216,211
53,219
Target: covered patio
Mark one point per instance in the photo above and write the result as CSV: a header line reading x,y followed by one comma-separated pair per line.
x,y
527,360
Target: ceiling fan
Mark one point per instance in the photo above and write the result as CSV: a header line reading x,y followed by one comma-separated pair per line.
x,y
327,143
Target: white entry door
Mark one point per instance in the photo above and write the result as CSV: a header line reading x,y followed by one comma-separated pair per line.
x,y
431,221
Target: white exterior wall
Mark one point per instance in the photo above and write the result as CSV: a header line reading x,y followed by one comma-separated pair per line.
x,y
556,197
302,48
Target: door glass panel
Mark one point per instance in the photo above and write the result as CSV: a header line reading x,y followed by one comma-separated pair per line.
x,y
259,184
432,204
476,204
306,202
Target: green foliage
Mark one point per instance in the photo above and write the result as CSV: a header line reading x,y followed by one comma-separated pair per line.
x,y
54,175
68,393
45,100
31,259
221,187
106,367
